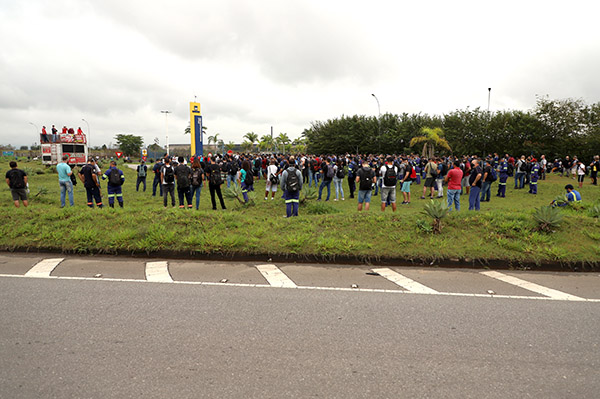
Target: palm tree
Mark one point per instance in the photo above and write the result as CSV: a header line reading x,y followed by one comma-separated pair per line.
x,y
230,146
213,139
188,130
282,139
431,138
246,146
266,142
251,137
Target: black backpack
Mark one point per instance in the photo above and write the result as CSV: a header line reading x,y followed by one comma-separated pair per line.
x,y
292,183
366,178
390,178
169,174
274,179
16,179
215,177
114,178
232,168
249,179
330,173
183,179
510,170
340,172
196,177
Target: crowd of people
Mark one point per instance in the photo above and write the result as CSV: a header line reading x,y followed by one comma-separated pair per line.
x,y
367,176
53,137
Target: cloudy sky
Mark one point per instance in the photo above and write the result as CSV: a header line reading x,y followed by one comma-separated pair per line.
x,y
257,64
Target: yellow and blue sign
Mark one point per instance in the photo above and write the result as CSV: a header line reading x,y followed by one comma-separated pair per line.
x,y
196,129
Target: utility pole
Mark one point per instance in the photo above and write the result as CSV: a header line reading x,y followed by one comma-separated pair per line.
x,y
167,125
378,123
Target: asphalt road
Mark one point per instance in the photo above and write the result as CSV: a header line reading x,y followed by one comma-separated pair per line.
x,y
118,339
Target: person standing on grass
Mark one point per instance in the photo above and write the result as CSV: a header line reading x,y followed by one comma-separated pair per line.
x,y
454,180
291,184
167,178
328,173
503,170
520,174
157,179
487,180
64,180
142,171
580,172
594,169
89,178
430,175
197,178
272,179
17,181
534,169
338,179
389,173
365,177
475,183
116,178
183,176
246,180
442,169
213,175
351,177
407,174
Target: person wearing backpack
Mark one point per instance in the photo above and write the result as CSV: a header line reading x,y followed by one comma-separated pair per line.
x,y
272,179
167,177
213,175
142,171
430,176
246,180
18,183
389,173
521,171
232,170
408,176
503,171
365,177
338,179
352,168
183,176
116,178
291,184
196,180
328,173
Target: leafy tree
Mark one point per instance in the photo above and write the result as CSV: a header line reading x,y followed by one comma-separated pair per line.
x,y
430,138
23,148
213,139
251,137
246,146
129,144
266,142
230,146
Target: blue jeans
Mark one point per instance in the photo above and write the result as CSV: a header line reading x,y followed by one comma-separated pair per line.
x,y
310,177
519,180
156,183
485,190
337,183
231,178
454,197
66,187
196,190
325,183
474,198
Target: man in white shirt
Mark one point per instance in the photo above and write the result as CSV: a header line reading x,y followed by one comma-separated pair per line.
x,y
389,173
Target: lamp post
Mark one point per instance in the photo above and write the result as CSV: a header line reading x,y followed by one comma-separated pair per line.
x,y
35,126
167,125
88,133
378,122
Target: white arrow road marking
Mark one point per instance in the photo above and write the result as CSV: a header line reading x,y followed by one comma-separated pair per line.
x,y
158,272
549,292
404,282
275,276
44,267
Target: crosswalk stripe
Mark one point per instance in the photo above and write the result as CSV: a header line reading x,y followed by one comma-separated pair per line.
x,y
275,276
44,267
539,289
403,281
158,272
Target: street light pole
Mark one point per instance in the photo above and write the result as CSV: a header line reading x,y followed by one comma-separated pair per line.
x,y
89,133
167,124
489,96
378,122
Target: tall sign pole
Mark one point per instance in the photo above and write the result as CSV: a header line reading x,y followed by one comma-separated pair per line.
x,y
167,124
196,129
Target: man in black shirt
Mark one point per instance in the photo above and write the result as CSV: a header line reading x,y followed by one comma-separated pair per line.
x,y
88,176
475,183
17,181
213,175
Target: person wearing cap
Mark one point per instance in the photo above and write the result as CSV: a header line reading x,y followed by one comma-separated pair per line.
x,y
534,169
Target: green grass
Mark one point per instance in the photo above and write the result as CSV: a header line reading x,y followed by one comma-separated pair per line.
x,y
503,230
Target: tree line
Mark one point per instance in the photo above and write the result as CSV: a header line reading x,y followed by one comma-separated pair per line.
x,y
554,127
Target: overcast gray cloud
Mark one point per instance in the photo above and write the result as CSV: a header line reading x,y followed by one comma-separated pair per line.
x,y
258,64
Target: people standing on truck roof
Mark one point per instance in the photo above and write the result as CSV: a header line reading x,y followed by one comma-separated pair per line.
x,y
54,133
44,135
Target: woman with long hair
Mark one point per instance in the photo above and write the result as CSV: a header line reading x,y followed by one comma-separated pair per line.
x,y
197,178
246,179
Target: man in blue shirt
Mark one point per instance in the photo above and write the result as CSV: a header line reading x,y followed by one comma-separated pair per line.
x,y
115,178
64,180
503,170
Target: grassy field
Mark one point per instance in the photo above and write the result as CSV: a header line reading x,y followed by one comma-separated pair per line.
x,y
503,232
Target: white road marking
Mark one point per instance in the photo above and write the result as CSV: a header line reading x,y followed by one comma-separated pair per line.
x,y
44,267
403,281
549,292
158,272
275,276
346,289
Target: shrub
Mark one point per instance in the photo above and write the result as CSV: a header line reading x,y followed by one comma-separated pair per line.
x,y
548,218
436,210
594,211
307,193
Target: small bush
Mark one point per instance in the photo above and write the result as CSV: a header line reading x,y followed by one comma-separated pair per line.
x,y
548,218
321,208
436,210
594,211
